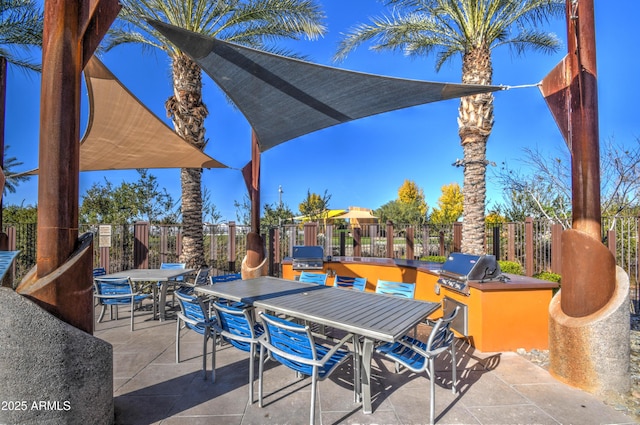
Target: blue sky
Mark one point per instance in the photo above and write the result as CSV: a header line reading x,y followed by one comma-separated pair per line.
x,y
362,163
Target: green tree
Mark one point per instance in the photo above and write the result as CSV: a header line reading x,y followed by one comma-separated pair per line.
x,y
411,194
471,29
19,214
127,203
315,206
254,23
12,179
274,215
21,22
449,208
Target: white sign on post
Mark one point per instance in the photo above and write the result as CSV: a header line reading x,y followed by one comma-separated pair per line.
x,y
104,236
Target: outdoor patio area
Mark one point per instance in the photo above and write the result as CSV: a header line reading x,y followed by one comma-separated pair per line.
x,y
494,388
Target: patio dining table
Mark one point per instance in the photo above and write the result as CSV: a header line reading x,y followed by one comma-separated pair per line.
x,y
151,277
374,317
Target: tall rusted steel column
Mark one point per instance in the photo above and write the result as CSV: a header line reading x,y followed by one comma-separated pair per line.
x,y
58,181
251,173
72,31
3,104
588,269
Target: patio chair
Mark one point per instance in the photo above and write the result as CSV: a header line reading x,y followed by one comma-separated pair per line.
x,y
225,277
358,283
237,327
194,314
180,279
293,345
399,289
317,278
99,271
419,356
114,292
201,278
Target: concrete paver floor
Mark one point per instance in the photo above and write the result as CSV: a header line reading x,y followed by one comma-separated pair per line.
x,y
493,388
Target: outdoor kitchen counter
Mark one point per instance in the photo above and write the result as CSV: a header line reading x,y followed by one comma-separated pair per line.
x,y
501,316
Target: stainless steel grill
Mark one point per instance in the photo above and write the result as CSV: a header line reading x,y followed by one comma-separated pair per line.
x,y
308,257
460,269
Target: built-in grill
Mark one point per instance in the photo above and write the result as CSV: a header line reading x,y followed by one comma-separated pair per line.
x,y
461,269
308,257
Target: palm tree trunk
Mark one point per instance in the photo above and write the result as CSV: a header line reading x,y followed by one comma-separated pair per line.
x,y
188,112
475,122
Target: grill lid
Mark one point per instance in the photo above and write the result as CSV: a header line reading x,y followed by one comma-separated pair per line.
x,y
466,267
308,252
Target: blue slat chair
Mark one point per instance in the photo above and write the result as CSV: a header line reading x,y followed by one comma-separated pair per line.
x,y
293,346
399,289
225,277
317,278
179,279
419,356
114,292
358,283
194,315
236,326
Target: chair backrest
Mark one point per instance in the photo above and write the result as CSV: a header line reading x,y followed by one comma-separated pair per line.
x,y
290,342
225,277
99,271
192,309
202,277
173,266
317,278
399,289
441,335
113,287
237,325
358,283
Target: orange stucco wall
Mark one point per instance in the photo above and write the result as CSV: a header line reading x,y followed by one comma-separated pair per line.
x,y
501,316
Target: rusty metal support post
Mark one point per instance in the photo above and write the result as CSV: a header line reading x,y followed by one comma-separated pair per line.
x,y
59,135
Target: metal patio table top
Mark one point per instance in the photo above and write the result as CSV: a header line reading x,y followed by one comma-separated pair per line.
x,y
375,317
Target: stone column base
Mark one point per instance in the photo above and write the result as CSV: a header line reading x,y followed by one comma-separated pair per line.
x,y
251,272
592,352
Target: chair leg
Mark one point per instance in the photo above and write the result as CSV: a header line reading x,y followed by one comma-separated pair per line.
x,y
432,385
214,343
132,308
252,360
178,340
205,335
102,311
314,390
454,372
260,372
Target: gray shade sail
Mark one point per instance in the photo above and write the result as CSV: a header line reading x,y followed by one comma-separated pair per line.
x,y
284,98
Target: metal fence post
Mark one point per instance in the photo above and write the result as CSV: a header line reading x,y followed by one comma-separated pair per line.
x,y
357,247
528,246
409,239
310,233
141,245
231,253
457,237
556,248
389,239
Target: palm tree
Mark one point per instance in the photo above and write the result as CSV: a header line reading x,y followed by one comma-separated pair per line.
x,y
472,29
12,178
21,23
254,23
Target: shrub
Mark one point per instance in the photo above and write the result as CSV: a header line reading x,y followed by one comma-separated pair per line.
x,y
510,267
551,277
434,258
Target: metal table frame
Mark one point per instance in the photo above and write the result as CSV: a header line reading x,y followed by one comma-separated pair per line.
x,y
374,317
152,276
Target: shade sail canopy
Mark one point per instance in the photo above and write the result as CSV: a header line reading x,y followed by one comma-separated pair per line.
x,y
284,98
122,133
357,214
